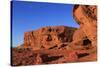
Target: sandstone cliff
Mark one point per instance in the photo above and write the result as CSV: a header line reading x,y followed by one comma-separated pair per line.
x,y
61,44
48,37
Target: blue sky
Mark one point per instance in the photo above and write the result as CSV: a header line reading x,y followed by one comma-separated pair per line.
x,y
27,16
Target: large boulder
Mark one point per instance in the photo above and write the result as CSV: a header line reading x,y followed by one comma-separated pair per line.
x,y
86,17
79,35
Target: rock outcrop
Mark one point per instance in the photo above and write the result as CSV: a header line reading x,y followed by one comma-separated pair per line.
x,y
86,17
48,37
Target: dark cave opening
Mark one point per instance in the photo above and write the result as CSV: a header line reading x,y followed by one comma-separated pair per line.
x,y
86,42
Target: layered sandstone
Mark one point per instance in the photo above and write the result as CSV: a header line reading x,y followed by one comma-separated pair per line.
x,y
26,56
48,37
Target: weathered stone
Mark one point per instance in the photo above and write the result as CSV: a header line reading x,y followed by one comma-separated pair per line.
x,y
79,35
48,37
86,17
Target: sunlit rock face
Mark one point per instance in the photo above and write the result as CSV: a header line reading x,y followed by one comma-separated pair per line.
x,y
86,17
48,37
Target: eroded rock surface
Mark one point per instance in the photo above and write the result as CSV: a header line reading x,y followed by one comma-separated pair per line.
x,y
48,37
86,17
61,44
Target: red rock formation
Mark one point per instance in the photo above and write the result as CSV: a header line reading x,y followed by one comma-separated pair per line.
x,y
86,17
48,37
